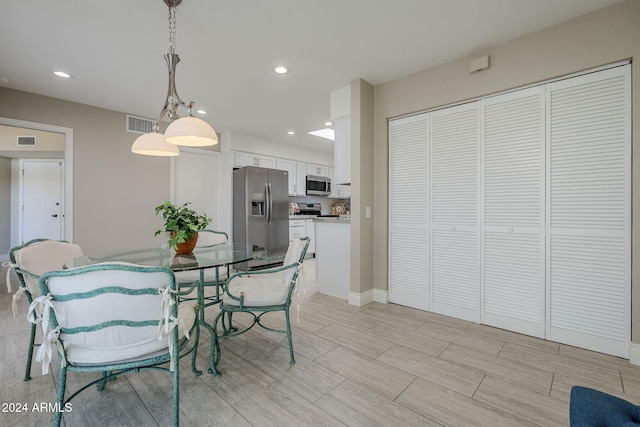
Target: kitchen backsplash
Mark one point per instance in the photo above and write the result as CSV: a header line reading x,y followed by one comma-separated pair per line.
x,y
325,203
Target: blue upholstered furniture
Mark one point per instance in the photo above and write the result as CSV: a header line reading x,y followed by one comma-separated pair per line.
x,y
258,292
112,319
593,408
31,260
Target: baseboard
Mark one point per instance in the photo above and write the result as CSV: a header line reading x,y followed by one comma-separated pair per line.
x,y
361,299
368,296
381,296
634,354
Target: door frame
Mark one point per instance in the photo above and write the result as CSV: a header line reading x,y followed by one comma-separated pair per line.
x,y
68,167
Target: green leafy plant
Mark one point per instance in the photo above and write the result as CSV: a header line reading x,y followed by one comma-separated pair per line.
x,y
180,222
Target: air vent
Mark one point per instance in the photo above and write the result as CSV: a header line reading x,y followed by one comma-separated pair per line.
x,y
139,124
26,141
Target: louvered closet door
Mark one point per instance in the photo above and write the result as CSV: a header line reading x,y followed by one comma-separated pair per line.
x,y
513,212
409,212
589,211
455,262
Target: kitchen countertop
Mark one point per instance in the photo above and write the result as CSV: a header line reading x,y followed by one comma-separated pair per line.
x,y
302,217
334,220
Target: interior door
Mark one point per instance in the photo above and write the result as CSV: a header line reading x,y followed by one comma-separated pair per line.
x,y
513,274
589,211
409,211
455,219
42,210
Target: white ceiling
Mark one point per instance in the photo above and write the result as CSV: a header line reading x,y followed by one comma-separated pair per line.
x,y
228,49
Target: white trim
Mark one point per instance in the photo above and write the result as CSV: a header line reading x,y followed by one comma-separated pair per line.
x,y
634,353
381,296
362,299
68,165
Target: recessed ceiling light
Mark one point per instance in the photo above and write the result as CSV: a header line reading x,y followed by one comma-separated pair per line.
x,y
62,74
328,123
324,133
203,112
291,132
281,70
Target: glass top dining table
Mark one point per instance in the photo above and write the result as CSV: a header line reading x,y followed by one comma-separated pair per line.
x,y
215,256
219,255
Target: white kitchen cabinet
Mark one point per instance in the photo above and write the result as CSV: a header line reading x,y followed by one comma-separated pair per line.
x,y
318,170
310,230
342,150
297,229
290,167
251,159
301,179
333,255
341,191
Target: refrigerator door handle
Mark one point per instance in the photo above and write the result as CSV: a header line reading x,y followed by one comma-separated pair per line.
x,y
270,201
266,202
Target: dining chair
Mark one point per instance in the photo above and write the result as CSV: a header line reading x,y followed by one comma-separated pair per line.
x,y
258,292
212,276
112,319
30,261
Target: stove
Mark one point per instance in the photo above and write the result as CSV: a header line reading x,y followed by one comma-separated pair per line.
x,y
309,209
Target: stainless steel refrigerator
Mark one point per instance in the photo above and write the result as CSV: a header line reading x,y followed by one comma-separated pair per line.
x,y
261,211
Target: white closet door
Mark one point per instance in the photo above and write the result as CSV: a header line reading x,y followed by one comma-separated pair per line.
x,y
513,212
455,262
409,212
589,170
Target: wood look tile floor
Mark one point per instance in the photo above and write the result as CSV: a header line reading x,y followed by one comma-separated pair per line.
x,y
377,365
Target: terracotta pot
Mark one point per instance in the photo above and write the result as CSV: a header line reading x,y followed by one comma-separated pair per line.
x,y
187,247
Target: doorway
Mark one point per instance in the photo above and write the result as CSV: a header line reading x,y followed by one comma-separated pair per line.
x,y
12,238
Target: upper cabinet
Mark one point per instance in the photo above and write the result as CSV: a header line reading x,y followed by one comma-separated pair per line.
x,y
290,167
342,150
318,170
251,159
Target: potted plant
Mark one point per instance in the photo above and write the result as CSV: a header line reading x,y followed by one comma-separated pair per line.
x,y
181,225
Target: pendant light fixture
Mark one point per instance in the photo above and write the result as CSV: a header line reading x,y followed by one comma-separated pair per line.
x,y
187,131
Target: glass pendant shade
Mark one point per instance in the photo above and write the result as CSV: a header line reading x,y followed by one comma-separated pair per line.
x,y
153,144
190,132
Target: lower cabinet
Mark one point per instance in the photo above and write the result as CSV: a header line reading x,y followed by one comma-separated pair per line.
x,y
310,229
303,228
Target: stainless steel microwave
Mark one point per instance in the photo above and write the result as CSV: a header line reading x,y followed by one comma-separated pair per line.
x,y
318,185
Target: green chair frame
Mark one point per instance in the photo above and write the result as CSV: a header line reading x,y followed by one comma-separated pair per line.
x,y
178,349
256,311
20,273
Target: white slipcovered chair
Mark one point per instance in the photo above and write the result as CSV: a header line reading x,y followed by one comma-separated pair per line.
x,y
112,318
30,261
258,292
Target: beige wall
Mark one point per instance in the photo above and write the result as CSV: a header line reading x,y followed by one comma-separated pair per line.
x,y
599,38
114,191
362,194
